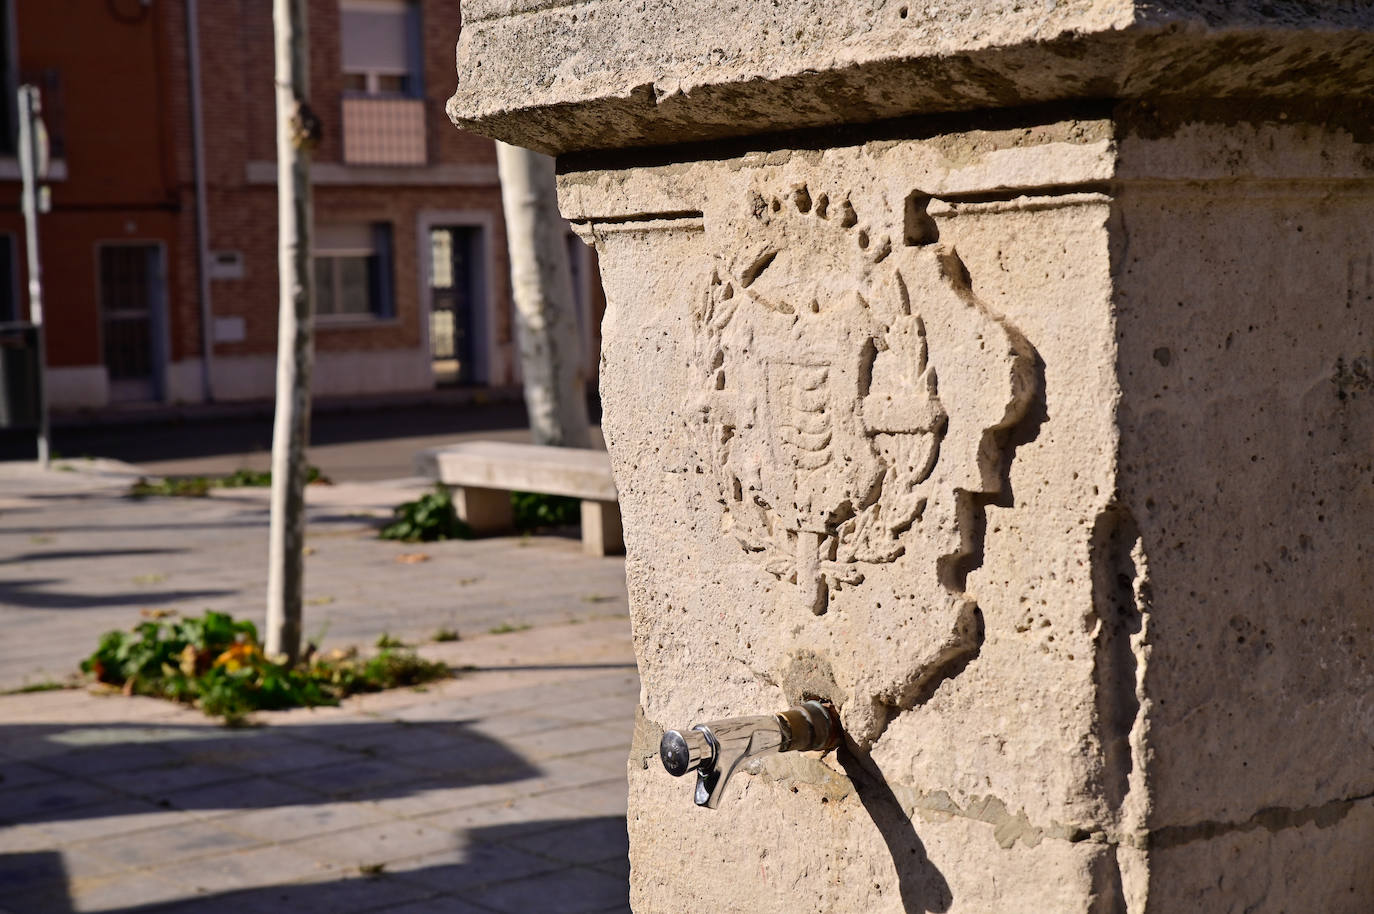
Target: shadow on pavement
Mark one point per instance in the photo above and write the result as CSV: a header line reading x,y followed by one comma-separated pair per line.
x,y
82,771
62,554
50,529
25,594
550,866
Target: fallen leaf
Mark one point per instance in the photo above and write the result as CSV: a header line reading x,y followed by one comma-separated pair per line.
x,y
412,558
186,660
308,550
156,613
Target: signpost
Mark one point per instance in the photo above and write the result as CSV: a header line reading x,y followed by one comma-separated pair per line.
x,y
33,167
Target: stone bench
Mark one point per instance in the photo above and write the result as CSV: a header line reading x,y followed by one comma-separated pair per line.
x,y
482,475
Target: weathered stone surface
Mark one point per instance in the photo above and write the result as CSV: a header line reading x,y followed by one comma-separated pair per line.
x,y
561,76
1037,731
1279,859
1040,441
984,702
1247,462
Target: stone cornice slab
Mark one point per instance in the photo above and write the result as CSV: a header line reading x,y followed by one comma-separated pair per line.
x,y
563,76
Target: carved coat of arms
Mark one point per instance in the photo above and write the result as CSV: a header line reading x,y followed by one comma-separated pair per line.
x,y
852,396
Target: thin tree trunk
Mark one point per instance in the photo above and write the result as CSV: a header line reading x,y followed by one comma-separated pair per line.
x,y
297,131
541,285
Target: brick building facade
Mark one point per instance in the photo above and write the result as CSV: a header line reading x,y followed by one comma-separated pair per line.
x,y
411,265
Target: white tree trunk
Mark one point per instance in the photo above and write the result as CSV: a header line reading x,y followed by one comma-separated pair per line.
x,y
297,130
541,285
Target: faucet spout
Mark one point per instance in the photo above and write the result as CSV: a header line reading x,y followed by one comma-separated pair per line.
x,y
718,748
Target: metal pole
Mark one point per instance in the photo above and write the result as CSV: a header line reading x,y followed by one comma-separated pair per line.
x,y
30,108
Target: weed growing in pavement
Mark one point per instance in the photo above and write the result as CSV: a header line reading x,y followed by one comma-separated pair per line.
x,y
43,685
217,663
429,518
200,486
384,641
433,517
505,628
445,634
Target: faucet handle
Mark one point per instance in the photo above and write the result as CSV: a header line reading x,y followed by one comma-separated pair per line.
x,y
717,749
684,752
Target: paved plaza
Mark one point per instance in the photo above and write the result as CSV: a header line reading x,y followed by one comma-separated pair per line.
x,y
502,790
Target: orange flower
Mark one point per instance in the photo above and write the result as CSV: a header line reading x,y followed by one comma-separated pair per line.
x,y
237,657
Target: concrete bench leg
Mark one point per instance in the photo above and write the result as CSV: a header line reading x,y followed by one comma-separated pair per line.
x,y
486,511
601,531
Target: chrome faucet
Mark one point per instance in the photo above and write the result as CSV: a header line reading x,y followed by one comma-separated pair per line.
x,y
717,749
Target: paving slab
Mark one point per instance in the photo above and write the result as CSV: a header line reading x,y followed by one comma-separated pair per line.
x,y
78,556
500,790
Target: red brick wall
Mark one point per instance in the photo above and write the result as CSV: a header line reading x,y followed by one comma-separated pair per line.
x,y
119,126
127,129
440,20
240,128
245,221
236,41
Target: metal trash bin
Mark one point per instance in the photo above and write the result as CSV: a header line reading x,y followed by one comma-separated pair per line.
x,y
21,377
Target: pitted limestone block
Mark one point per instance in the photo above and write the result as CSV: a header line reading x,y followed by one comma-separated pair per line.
x,y
1277,860
1038,439
832,846
1247,463
563,76
707,606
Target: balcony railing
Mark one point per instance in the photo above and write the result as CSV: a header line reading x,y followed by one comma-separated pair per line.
x,y
384,131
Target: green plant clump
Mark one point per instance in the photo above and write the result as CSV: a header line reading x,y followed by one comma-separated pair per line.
x,y
533,510
429,518
179,487
433,516
200,486
217,663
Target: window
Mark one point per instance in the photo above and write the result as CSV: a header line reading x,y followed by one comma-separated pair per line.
x,y
380,47
353,276
9,280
